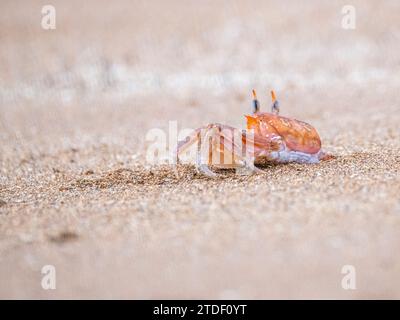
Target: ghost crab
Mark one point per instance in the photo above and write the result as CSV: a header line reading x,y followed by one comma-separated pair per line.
x,y
269,137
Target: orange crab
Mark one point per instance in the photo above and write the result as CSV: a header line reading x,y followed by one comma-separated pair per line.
x,y
269,138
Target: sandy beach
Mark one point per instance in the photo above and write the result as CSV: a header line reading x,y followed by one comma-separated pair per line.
x,y
78,193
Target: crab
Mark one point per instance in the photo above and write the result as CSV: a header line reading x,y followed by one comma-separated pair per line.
x,y
269,138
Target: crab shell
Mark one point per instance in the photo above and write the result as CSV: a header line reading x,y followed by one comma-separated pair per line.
x,y
296,138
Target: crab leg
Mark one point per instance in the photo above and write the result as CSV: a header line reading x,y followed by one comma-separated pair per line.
x,y
244,151
203,149
224,146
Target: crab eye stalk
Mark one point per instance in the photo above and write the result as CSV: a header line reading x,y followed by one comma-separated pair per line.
x,y
275,103
256,104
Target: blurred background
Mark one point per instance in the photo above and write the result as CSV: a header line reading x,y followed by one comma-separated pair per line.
x,y
76,192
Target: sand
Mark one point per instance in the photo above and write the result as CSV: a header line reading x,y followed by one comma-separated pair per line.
x,y
77,192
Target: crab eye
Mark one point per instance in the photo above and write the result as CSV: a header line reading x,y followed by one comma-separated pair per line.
x,y
256,104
